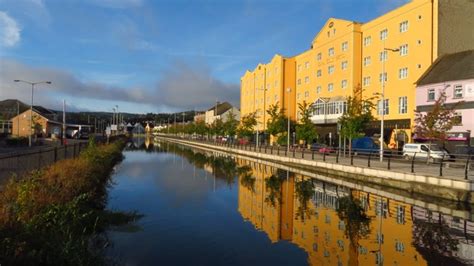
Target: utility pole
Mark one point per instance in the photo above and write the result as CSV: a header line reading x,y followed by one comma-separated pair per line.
x,y
64,122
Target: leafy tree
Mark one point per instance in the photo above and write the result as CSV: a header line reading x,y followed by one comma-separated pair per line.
x,y
277,124
217,127
304,190
200,128
357,116
305,130
247,124
273,185
230,125
437,122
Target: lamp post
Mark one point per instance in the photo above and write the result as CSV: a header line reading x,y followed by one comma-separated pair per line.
x,y
31,107
382,113
288,90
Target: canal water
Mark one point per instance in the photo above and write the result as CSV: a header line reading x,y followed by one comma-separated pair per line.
x,y
205,208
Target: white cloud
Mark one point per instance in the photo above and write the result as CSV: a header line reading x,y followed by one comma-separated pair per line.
x,y
9,30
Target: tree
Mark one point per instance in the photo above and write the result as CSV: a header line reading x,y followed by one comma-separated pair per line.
x,y
217,127
247,124
437,122
200,128
230,125
277,124
305,130
357,116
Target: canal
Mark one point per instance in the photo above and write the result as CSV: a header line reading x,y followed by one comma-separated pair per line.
x,y
204,208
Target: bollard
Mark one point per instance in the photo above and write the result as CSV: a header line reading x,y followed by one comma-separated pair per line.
x,y
302,154
324,156
352,158
294,150
278,150
312,155
413,163
286,152
265,149
337,156
441,166
368,160
388,163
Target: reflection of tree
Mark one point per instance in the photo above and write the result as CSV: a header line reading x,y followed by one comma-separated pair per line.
x,y
246,178
433,240
356,221
304,190
273,185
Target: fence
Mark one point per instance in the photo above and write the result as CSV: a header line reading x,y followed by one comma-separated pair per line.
x,y
458,166
21,163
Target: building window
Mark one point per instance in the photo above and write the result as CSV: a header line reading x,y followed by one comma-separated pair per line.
x,y
344,83
431,95
385,107
318,89
319,56
330,87
367,40
306,80
299,81
318,73
331,51
399,246
383,34
299,68
383,56
367,61
344,46
306,94
403,73
298,96
402,105
366,81
457,92
330,69
404,49
306,65
276,98
383,76
276,84
457,119
401,214
404,26
344,65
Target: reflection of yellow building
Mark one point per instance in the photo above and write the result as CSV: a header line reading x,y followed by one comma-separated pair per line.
x,y
321,233
346,55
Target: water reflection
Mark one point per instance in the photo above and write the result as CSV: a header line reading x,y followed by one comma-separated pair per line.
x,y
333,224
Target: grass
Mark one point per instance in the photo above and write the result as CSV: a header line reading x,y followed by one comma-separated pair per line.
x,y
57,216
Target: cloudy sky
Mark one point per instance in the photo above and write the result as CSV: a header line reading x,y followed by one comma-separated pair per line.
x,y
154,55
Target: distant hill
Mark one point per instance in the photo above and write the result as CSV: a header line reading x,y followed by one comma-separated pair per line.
x,y
9,109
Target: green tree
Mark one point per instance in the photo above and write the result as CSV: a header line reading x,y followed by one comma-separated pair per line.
x,y
277,123
217,127
230,125
434,124
200,128
357,116
247,124
305,129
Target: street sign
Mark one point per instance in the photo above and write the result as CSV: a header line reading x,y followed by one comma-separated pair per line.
x,y
108,131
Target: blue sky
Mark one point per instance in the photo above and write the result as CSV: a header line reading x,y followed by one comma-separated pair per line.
x,y
151,55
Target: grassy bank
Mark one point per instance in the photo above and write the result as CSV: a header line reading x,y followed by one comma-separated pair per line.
x,y
57,216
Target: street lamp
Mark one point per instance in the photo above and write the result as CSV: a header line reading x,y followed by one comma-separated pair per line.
x,y
288,90
31,107
264,100
382,118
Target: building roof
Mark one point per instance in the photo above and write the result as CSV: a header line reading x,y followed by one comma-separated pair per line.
x,y
221,108
457,66
9,108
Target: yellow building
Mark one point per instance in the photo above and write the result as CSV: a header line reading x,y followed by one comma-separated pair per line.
x,y
396,47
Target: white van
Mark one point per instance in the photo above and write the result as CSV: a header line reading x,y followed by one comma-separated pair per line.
x,y
421,151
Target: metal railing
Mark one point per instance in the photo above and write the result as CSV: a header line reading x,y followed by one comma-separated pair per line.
x,y
22,162
459,166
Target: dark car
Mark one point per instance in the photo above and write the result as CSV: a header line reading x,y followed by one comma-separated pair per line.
x,y
368,145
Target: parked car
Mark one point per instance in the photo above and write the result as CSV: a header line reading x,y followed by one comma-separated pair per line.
x,y
423,150
322,148
369,145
